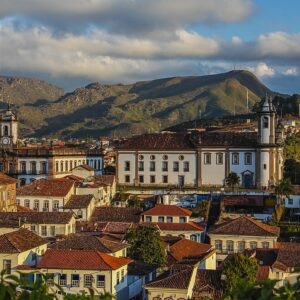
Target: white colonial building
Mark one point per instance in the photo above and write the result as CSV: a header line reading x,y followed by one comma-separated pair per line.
x,y
32,163
205,158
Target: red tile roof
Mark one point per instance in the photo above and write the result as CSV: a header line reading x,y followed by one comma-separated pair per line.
x,y
288,256
4,179
246,226
53,188
79,201
243,200
190,226
81,260
84,166
167,210
262,273
20,241
185,247
116,214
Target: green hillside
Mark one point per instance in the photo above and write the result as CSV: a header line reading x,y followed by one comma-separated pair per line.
x,y
146,106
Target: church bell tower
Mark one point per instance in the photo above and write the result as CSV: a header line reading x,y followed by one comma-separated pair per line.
x,y
8,129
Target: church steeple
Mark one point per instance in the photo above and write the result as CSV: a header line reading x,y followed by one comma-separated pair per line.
x,y
8,128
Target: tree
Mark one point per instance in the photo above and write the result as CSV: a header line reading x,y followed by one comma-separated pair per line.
x,y
236,267
284,188
134,201
146,245
232,180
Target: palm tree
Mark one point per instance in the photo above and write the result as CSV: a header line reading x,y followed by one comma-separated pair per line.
x,y
284,188
232,180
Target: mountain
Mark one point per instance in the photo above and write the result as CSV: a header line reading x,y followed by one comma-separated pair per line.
x,y
119,109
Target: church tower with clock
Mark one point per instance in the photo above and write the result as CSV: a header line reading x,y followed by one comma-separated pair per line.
x,y
8,129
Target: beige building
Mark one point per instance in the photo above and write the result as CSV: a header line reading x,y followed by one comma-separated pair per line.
x,y
242,233
7,193
21,247
175,221
79,270
45,224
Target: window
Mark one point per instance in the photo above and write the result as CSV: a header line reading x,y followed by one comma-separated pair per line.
x,y
164,166
33,167
27,203
100,281
182,219
55,205
79,213
165,179
122,275
52,230
253,245
127,166
152,157
10,168
1,167
66,166
62,279
165,157
141,157
229,245
56,167
161,219
141,166
61,166
265,166
46,205
207,158
219,158
186,166
33,228
127,178
141,178
193,238
169,219
181,157
265,245
235,158
43,168
248,158
152,166
18,201
152,179
175,166
241,246
5,130
266,122
290,201
148,219
75,280
7,266
44,230
218,245
23,167
71,164
36,205
88,280
118,277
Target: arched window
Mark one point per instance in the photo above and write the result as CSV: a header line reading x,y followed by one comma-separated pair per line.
x,y
266,122
194,238
5,130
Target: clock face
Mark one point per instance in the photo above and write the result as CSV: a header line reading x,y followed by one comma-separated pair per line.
x,y
5,141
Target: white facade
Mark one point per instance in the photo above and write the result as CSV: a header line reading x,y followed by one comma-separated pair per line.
x,y
293,201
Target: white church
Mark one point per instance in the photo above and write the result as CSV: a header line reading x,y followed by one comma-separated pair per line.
x,y
205,158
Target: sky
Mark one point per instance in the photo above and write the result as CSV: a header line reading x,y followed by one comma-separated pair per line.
x,y
71,43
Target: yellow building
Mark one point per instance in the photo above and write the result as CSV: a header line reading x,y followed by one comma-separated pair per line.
x,y
21,247
242,233
79,270
7,193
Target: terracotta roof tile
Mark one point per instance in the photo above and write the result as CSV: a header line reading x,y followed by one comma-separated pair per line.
x,y
246,226
84,166
86,242
116,214
167,210
179,280
4,179
243,200
208,282
190,226
262,273
35,217
184,248
79,201
55,188
288,256
20,241
81,260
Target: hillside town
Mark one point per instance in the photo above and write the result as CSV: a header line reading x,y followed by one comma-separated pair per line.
x,y
158,216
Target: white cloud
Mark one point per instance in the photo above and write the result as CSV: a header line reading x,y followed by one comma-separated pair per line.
x,y
291,72
263,70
